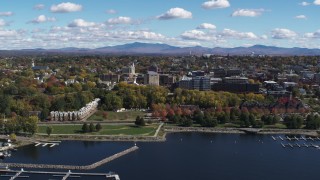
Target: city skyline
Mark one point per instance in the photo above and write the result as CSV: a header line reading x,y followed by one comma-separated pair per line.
x,y
209,23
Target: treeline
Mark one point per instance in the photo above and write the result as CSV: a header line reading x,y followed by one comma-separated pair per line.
x,y
19,124
11,106
131,96
188,115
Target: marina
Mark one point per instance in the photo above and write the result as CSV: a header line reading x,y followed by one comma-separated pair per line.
x,y
218,154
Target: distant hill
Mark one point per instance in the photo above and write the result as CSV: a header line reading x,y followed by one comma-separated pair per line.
x,y
165,49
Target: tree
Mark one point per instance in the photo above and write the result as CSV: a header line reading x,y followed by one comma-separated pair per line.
x,y
186,122
98,127
198,116
139,121
244,119
44,114
85,128
32,125
49,130
293,121
13,137
91,127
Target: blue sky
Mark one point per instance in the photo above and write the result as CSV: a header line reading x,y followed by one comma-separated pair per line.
x,y
211,23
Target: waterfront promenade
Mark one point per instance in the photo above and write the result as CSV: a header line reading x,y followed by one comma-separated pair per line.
x,y
72,167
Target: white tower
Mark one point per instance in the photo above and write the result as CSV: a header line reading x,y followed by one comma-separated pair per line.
x,y
32,63
133,69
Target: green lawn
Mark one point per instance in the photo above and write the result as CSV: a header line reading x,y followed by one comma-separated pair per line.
x,y
128,115
276,126
106,130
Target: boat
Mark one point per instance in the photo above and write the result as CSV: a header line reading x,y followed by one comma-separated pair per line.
x,y
112,176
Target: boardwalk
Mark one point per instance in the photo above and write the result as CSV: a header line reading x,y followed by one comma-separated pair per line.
x,y
72,167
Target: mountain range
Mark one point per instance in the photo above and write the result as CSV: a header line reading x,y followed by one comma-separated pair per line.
x,y
164,49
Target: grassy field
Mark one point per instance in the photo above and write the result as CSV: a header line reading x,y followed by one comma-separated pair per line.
x,y
128,115
106,130
276,126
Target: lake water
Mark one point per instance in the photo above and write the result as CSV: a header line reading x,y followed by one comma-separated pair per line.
x,y
186,156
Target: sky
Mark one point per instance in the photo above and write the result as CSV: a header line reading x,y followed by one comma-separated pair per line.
x,y
52,24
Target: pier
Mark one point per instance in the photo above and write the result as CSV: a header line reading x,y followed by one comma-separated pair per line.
x,y
294,138
49,143
64,175
72,167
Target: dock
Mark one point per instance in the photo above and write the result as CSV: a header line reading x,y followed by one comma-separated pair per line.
x,y
72,167
294,138
45,143
64,175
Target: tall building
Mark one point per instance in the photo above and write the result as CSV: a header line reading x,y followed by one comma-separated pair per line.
x,y
151,78
195,83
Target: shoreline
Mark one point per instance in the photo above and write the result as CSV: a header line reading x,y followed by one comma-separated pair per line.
x,y
162,138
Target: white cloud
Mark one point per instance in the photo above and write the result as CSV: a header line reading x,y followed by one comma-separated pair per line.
x,y
8,13
317,2
304,3
301,17
248,12
281,33
111,11
8,33
3,22
207,26
196,35
313,35
39,6
215,4
175,13
120,20
66,7
81,23
228,33
43,19
136,35
264,37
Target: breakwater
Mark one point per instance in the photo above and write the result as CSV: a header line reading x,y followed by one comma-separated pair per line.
x,y
72,167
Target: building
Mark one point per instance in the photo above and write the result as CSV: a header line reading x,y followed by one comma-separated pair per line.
x,y
316,78
289,84
151,78
131,70
39,68
219,73
236,88
233,72
166,80
236,80
195,83
110,77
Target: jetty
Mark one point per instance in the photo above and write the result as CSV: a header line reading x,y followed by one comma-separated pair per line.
x,y
64,175
72,167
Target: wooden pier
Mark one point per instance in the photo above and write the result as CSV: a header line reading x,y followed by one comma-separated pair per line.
x,y
72,167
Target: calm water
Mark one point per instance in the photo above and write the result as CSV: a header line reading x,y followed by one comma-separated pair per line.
x,y
186,156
